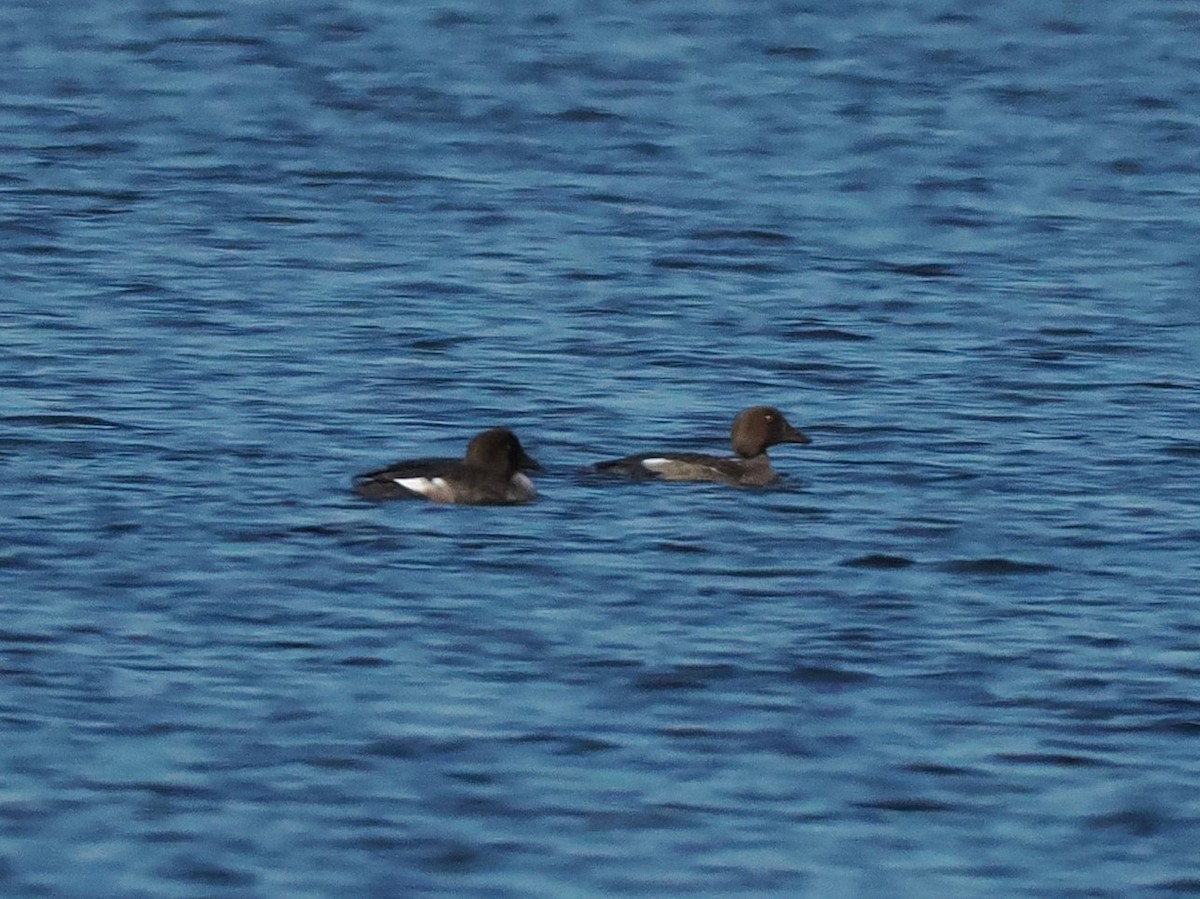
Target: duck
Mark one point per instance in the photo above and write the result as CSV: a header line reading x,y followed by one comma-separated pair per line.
x,y
491,473
753,431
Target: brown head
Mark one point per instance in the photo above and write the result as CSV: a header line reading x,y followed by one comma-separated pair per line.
x,y
758,427
498,449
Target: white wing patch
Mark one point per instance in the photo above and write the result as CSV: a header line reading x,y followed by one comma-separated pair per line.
x,y
423,486
656,464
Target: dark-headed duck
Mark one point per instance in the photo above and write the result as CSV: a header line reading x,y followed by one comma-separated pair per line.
x,y
489,474
753,430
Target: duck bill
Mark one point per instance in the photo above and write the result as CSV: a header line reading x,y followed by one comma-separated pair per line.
x,y
791,435
526,462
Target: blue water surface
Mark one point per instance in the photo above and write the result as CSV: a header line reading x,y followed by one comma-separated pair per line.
x,y
250,249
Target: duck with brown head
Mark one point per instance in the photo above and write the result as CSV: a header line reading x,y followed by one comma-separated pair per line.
x,y
491,473
753,431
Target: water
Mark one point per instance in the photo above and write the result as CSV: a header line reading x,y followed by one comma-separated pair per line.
x,y
251,249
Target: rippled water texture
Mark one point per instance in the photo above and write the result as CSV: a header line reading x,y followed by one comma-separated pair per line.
x,y
251,249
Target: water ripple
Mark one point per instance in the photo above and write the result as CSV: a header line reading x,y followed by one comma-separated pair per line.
x,y
256,248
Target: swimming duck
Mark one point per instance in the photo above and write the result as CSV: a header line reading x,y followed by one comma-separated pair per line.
x,y
491,473
753,430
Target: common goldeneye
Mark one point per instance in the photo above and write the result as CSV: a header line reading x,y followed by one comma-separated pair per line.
x,y
753,430
489,474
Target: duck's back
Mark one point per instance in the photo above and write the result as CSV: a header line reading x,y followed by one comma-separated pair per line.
x,y
444,481
389,482
692,467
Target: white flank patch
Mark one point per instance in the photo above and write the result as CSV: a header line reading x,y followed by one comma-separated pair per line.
x,y
423,486
656,464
